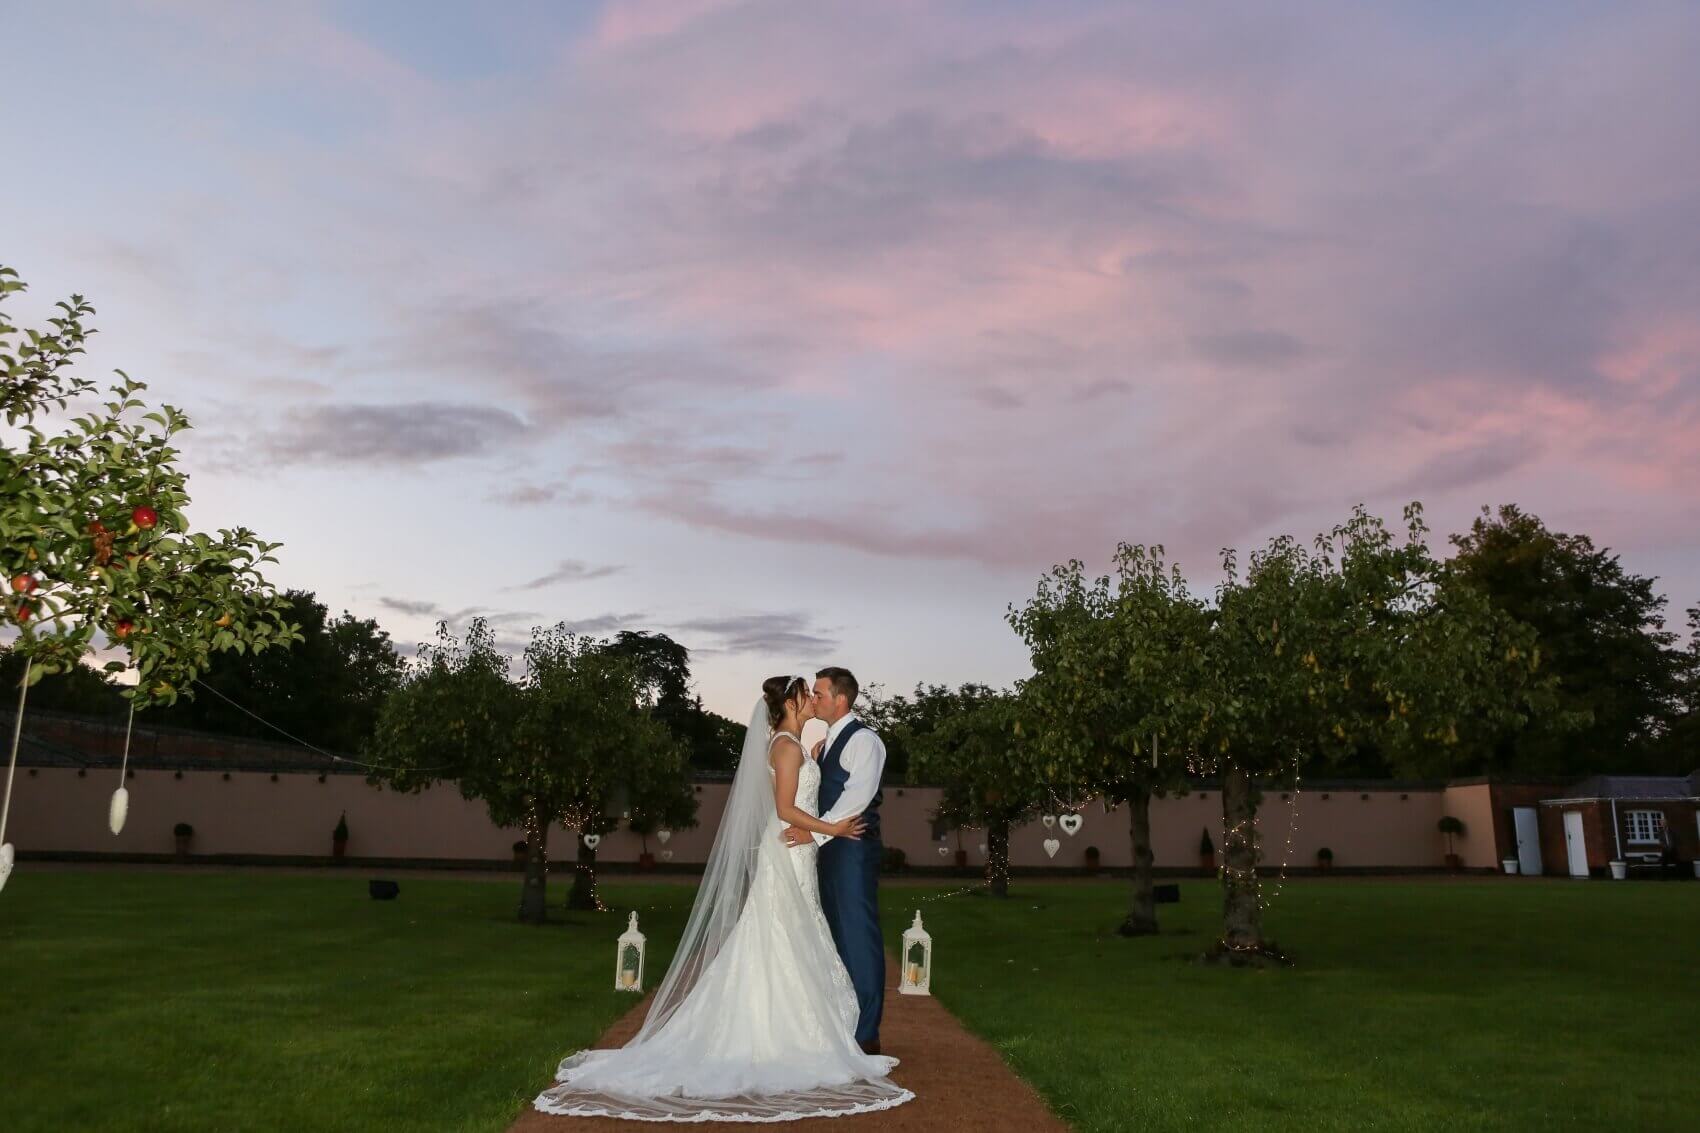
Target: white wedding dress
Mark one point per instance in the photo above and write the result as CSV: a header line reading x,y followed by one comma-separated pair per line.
x,y
755,1020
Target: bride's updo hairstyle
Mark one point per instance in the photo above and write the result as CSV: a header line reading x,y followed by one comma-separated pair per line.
x,y
778,692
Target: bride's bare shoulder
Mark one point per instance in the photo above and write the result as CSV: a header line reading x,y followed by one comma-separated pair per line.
x,y
784,750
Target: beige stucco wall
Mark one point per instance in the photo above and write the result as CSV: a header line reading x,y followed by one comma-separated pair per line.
x,y
55,810
1473,806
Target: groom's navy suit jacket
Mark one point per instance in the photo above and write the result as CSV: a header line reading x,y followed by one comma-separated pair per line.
x,y
849,895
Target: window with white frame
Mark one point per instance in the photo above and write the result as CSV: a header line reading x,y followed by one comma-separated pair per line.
x,y
1647,826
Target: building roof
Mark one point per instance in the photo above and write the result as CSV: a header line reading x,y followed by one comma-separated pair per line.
x,y
62,739
1637,787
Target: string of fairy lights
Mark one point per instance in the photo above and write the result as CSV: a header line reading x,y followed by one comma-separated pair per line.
x,y
312,747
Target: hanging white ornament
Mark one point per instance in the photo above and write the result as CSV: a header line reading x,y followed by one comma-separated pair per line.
x,y
662,836
1051,847
591,841
119,808
7,854
666,855
944,851
1050,821
1070,824
983,847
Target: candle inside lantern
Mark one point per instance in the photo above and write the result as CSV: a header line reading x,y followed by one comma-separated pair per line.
x,y
917,959
628,959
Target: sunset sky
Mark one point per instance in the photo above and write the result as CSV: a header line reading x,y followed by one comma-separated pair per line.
x,y
813,333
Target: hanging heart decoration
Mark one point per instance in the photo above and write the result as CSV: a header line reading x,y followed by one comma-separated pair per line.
x,y
982,847
662,836
592,841
944,851
6,855
120,807
666,855
1070,824
1051,847
1050,821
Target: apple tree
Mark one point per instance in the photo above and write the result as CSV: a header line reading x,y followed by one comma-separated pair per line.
x,y
569,741
95,546
1292,645
1111,658
973,749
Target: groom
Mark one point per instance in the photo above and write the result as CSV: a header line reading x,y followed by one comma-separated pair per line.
x,y
849,868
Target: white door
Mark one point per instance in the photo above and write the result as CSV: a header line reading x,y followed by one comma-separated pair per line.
x,y
1573,844
1528,830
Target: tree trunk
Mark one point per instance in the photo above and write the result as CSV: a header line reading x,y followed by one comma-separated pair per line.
x,y
1242,918
583,895
997,857
1142,915
532,909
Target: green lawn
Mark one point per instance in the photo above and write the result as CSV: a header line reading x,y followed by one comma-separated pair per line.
x,y
133,1001
1514,1005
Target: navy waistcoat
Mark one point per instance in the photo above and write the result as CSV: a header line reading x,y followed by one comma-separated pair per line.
x,y
833,777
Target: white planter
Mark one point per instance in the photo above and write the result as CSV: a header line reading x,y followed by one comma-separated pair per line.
x,y
1619,870
1510,865
1697,867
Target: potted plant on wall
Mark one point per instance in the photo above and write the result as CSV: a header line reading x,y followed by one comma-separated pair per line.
x,y
339,837
1325,859
1452,828
183,832
1206,852
1092,859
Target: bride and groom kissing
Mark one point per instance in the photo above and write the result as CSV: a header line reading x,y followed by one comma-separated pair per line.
x,y
770,1009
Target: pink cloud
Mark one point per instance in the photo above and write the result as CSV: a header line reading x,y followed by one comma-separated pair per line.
x,y
625,22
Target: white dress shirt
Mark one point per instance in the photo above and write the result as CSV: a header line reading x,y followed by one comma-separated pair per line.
x,y
863,760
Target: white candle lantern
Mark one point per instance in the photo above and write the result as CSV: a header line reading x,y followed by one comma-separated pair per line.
x,y
917,974
628,959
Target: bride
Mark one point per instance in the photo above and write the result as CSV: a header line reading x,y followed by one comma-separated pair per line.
x,y
756,1018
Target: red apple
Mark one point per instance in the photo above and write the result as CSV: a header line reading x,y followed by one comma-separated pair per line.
x,y
24,613
23,583
123,628
145,517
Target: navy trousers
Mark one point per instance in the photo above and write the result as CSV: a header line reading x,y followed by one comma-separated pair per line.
x,y
849,895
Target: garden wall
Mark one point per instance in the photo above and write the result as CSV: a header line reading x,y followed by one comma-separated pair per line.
x,y
56,810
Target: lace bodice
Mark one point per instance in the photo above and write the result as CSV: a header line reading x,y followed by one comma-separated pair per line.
x,y
808,776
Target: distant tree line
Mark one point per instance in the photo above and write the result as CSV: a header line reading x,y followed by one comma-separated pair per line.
x,y
329,688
